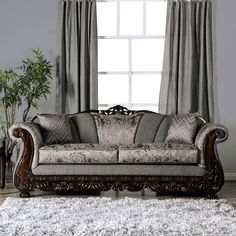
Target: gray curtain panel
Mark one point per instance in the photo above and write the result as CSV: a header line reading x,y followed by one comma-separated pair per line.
x,y
78,87
187,76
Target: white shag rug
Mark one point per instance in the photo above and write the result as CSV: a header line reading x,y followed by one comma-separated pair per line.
x,y
104,216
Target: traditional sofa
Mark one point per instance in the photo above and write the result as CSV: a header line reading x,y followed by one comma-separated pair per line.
x,y
119,149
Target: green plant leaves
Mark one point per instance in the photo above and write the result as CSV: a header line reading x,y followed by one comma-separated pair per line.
x,y
29,84
9,88
35,80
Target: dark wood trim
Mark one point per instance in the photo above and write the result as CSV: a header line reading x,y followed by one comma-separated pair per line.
x,y
207,185
2,164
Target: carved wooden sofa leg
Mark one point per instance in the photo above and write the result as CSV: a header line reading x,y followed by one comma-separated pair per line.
x,y
24,194
22,183
211,196
23,177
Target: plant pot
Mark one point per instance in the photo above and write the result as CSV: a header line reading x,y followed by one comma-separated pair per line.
x,y
9,171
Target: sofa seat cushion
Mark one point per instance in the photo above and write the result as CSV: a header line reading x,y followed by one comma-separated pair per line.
x,y
158,153
78,153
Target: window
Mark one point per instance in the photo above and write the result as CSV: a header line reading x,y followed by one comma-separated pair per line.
x,y
131,36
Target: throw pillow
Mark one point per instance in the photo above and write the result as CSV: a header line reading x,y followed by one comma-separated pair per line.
x,y
56,128
183,128
117,129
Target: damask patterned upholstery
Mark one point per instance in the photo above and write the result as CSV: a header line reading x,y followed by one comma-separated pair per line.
x,y
78,153
117,129
158,153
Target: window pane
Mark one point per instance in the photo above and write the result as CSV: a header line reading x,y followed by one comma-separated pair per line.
x,y
131,18
156,18
149,108
113,55
145,88
103,107
106,17
113,89
147,54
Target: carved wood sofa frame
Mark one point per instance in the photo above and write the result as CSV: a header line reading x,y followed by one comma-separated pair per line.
x,y
207,185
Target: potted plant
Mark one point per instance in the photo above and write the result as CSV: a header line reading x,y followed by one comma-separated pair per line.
x,y
22,90
10,100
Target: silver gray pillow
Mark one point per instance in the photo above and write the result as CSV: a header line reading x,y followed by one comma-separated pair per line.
x,y
117,129
56,129
183,128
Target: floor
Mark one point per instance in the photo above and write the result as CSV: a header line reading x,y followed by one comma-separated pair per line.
x,y
228,192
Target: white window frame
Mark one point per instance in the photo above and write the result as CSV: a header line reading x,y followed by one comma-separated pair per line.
x,y
130,73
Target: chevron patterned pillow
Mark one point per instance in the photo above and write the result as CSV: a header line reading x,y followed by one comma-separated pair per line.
x,y
56,128
182,128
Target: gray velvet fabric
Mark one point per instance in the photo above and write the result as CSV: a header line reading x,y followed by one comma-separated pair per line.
x,y
148,127
55,128
117,129
74,132
183,128
201,138
78,153
120,169
78,88
163,130
86,127
158,153
35,132
187,74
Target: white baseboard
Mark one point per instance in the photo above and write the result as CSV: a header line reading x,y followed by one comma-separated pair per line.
x,y
230,176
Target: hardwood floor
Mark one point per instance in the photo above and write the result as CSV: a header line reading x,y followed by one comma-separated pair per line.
x,y
228,192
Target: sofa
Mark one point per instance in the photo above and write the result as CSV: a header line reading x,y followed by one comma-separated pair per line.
x,y
119,149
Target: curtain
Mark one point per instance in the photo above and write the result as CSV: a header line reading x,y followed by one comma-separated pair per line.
x,y
78,82
187,75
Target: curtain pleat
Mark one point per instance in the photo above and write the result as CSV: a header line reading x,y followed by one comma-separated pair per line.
x,y
187,75
78,59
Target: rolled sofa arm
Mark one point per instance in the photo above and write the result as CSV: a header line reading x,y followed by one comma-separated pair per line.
x,y
33,130
221,134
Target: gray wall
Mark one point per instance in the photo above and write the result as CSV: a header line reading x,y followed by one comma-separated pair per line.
x,y
225,75
26,24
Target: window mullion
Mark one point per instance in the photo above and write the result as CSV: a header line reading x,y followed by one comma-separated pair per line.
x,y
133,37
144,17
130,74
118,18
127,72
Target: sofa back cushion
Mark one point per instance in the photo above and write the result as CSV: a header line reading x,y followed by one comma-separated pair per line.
x,y
86,127
138,128
153,128
148,127
117,129
74,132
163,129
